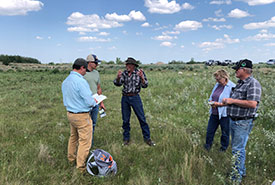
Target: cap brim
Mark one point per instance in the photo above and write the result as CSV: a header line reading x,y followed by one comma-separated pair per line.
x,y
235,67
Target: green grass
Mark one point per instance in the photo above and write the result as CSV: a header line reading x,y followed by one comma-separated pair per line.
x,y
34,131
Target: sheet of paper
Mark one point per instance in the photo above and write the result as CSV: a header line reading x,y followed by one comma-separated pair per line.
x,y
99,98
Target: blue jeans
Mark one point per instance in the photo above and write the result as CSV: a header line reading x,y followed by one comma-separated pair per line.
x,y
93,113
240,131
135,102
213,124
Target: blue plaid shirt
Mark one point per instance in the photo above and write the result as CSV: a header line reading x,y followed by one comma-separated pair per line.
x,y
248,89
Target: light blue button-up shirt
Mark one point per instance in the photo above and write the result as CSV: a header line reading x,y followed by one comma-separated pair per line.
x,y
225,94
77,96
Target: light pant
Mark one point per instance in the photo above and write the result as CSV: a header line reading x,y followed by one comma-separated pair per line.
x,y
240,131
80,139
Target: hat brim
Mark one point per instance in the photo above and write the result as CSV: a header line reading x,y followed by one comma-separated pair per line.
x,y
235,67
97,61
131,63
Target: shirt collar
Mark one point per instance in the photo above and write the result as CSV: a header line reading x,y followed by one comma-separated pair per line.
x,y
245,80
76,73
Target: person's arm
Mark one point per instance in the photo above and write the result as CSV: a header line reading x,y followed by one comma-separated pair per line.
x,y
240,103
144,81
119,79
86,93
99,90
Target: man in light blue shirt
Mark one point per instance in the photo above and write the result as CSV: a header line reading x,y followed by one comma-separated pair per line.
x,y
78,100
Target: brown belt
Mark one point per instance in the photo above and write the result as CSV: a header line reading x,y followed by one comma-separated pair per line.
x,y
129,94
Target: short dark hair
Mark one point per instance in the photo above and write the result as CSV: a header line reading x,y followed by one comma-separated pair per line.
x,y
80,62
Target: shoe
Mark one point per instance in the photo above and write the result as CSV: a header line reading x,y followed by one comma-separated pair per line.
x,y
126,142
222,149
207,147
150,142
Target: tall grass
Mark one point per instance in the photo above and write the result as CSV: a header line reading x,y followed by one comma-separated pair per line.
x,y
34,131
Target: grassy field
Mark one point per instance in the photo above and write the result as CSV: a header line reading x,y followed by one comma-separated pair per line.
x,y
34,131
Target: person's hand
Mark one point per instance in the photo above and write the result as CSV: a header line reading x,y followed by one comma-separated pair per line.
x,y
140,73
99,91
119,73
102,105
227,101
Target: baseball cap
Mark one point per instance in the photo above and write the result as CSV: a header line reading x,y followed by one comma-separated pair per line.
x,y
93,58
80,62
243,63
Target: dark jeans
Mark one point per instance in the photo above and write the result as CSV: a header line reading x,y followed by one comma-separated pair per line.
x,y
135,102
93,113
213,124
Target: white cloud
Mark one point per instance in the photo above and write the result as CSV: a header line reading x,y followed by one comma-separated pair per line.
x,y
116,17
104,33
219,27
214,19
19,7
260,25
188,25
257,2
49,37
146,24
93,21
112,48
89,23
80,29
219,13
237,13
39,38
170,32
182,46
218,43
187,6
221,2
133,15
163,37
270,44
162,6
166,44
93,39
138,16
263,35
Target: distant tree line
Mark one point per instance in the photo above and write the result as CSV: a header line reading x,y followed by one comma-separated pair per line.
x,y
118,61
7,59
192,61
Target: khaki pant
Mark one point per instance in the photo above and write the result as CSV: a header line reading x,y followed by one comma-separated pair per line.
x,y
80,138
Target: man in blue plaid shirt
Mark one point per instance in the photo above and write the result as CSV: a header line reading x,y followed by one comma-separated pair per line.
x,y
241,108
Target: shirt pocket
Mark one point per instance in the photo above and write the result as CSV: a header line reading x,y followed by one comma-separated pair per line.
x,y
240,94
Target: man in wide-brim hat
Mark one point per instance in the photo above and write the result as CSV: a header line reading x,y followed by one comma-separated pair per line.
x,y
132,80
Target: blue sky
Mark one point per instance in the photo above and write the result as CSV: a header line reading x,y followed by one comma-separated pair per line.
x,y
151,31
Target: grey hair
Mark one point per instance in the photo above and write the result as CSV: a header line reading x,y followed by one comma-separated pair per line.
x,y
248,70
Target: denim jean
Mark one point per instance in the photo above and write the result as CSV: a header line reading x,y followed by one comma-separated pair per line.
x,y
93,113
213,124
240,131
135,102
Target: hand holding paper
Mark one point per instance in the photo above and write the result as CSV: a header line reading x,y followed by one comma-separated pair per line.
x,y
99,98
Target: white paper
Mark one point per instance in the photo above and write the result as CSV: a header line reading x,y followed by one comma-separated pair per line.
x,y
99,98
